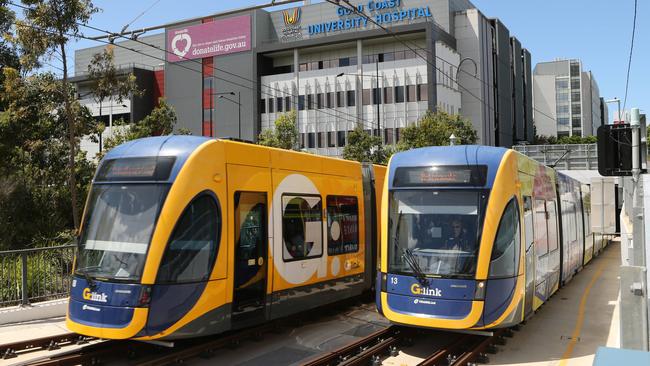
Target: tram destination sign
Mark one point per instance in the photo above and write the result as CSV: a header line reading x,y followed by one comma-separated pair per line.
x,y
446,175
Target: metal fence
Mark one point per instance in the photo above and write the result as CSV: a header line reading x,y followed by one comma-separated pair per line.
x,y
566,157
33,275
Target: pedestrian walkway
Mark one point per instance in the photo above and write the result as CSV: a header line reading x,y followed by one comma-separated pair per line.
x,y
578,319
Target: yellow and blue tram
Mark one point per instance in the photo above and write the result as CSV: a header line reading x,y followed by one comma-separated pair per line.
x,y
187,236
477,237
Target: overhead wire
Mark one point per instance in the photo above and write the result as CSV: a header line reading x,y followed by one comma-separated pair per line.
x,y
396,37
629,62
337,114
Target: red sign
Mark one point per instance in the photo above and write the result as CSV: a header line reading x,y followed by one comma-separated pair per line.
x,y
220,37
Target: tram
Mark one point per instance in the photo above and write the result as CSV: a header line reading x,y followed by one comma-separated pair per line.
x,y
188,236
477,237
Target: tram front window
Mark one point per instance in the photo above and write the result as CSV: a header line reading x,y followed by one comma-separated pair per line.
x,y
435,232
118,228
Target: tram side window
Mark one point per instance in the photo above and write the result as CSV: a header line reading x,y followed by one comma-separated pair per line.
x,y
505,251
528,221
342,225
552,225
539,220
194,243
302,227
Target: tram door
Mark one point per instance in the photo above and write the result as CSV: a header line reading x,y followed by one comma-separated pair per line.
x,y
250,238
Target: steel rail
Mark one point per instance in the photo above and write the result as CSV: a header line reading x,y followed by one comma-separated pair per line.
x,y
358,351
15,349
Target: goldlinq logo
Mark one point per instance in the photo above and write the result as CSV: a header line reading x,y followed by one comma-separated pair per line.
x,y
419,290
93,296
291,17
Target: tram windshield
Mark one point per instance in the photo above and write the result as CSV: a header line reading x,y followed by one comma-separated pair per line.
x,y
118,229
435,232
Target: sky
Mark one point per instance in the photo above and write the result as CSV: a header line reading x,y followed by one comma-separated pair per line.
x,y
596,31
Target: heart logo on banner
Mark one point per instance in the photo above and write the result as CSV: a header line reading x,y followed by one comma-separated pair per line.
x,y
181,44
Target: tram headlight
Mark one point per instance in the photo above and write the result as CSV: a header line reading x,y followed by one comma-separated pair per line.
x,y
479,293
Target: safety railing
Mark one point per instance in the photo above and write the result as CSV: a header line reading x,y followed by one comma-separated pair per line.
x,y
33,275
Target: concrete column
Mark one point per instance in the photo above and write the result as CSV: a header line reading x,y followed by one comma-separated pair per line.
x,y
296,92
359,83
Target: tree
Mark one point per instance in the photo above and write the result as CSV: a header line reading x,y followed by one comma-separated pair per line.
x,y
364,147
160,121
34,195
8,54
108,83
434,129
47,27
285,134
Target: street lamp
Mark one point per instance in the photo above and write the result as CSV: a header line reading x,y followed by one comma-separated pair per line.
x,y
617,101
238,103
378,92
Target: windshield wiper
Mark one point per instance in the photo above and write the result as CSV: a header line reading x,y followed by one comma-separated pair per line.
x,y
410,259
91,282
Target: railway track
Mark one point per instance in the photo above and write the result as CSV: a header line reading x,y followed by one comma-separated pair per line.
x,y
15,349
464,349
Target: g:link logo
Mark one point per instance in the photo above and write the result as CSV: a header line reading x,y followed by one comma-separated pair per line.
x,y
93,296
419,290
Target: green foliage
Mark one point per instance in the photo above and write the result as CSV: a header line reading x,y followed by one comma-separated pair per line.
x,y
285,134
34,186
364,147
44,32
107,83
161,121
434,129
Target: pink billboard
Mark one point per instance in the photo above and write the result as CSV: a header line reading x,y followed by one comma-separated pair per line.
x,y
219,37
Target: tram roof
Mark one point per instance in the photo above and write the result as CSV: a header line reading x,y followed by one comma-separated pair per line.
x,y
450,155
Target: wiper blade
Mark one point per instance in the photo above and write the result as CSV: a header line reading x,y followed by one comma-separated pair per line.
x,y
91,282
410,259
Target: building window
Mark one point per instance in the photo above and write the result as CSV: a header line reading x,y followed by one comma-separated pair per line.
x,y
340,99
410,93
262,105
397,134
399,55
561,83
575,69
311,140
321,139
329,101
563,121
575,109
351,98
575,96
342,225
340,136
388,95
399,94
279,103
301,102
575,84
576,122
365,97
344,61
303,67
423,92
331,139
376,96
310,101
319,101
302,227
271,105
287,104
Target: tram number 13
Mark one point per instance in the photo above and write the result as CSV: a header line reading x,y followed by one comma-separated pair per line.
x,y
393,280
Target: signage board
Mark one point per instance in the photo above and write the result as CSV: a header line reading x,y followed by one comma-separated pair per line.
x,y
219,37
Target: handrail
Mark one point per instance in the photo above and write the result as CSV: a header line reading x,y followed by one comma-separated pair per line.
x,y
33,250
